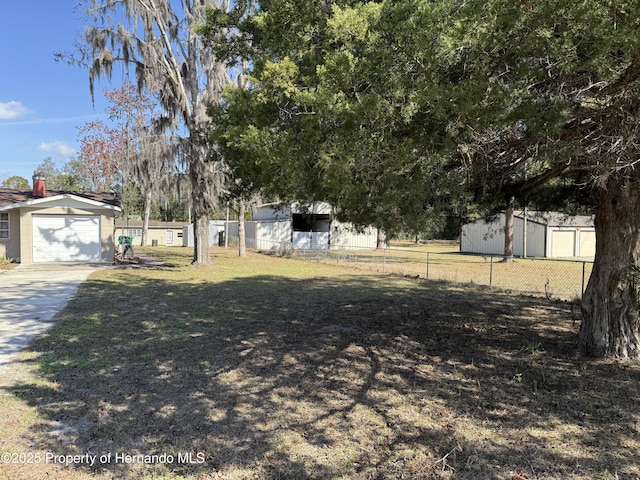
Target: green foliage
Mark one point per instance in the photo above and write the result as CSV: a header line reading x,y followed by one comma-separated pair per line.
x,y
50,172
68,178
60,179
132,199
16,182
170,209
399,111
72,178
314,125
533,348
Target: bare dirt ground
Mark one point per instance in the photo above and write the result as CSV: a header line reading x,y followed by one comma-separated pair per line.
x,y
269,368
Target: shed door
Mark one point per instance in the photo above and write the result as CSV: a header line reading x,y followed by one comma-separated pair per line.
x,y
66,238
587,244
562,243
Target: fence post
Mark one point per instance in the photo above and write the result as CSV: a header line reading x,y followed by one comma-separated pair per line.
x,y
384,260
583,271
491,273
428,265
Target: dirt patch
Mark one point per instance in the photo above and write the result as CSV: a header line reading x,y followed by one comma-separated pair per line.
x,y
278,369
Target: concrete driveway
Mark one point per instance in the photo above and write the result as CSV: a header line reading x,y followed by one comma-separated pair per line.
x,y
30,296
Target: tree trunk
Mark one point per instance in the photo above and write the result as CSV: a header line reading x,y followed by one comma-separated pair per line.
x,y
201,204
380,239
242,251
145,220
610,301
508,233
201,240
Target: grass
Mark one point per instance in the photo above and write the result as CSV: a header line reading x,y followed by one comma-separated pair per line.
x,y
274,368
6,264
441,260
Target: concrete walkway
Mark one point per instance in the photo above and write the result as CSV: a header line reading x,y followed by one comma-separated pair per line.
x,y
30,296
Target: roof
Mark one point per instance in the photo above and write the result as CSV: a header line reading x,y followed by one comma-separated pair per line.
x,y
548,219
12,196
120,223
558,219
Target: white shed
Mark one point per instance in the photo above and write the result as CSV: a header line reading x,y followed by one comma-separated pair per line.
x,y
276,226
549,234
267,234
344,236
309,227
215,228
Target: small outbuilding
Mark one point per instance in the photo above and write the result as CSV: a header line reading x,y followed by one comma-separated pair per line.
x,y
216,234
310,227
297,227
548,234
168,234
40,225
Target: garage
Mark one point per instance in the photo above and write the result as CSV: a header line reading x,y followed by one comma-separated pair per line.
x,y
66,238
548,234
41,225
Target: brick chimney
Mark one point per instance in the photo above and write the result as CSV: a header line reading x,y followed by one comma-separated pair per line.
x,y
38,184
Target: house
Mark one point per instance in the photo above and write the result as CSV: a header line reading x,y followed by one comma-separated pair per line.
x,y
548,234
41,225
167,234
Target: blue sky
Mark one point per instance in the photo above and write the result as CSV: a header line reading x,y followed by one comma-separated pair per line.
x,y
41,101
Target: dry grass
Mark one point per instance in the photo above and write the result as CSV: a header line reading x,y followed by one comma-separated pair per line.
x,y
7,265
442,261
280,369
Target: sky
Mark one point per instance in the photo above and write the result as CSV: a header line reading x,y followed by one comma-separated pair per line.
x,y
42,101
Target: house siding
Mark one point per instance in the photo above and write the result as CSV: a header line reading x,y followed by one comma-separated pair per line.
x,y
10,248
157,234
157,231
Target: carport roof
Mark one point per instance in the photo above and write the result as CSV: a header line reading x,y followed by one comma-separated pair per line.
x,y
12,198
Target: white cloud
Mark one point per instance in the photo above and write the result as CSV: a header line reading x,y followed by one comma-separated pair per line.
x,y
12,110
59,148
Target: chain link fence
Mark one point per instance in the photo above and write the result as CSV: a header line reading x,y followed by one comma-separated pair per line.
x,y
555,279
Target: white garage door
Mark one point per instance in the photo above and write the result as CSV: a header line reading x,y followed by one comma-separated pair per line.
x,y
587,244
563,243
66,238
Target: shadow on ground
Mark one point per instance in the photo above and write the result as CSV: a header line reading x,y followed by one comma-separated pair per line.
x,y
354,377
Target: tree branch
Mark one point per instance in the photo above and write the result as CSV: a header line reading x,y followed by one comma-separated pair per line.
x,y
630,75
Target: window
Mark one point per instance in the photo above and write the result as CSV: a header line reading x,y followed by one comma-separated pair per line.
x,y
134,232
4,226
